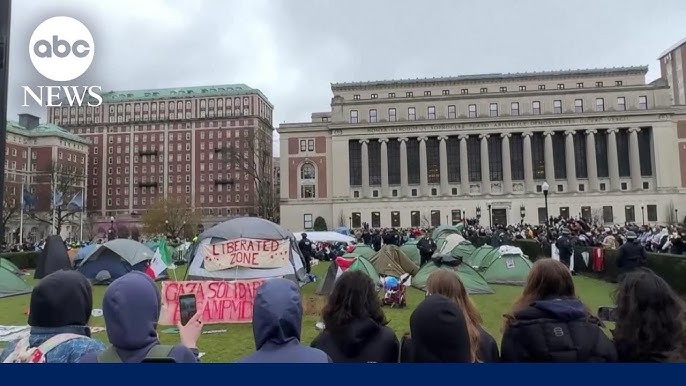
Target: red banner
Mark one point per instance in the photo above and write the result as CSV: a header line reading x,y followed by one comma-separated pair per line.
x,y
217,301
244,252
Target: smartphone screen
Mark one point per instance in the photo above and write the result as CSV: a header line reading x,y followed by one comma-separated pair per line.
x,y
187,307
607,314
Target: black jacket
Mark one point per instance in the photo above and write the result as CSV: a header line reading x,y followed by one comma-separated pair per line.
x,y
557,330
426,246
630,256
364,341
564,246
488,348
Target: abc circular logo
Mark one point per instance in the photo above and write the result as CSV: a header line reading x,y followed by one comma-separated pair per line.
x,y
61,48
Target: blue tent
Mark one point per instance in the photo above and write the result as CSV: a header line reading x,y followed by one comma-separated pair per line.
x,y
114,259
342,230
83,252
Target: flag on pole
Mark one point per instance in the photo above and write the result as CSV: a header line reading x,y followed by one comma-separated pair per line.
x,y
76,203
29,200
160,261
57,199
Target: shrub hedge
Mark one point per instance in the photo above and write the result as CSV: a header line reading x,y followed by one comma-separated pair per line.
x,y
672,268
23,260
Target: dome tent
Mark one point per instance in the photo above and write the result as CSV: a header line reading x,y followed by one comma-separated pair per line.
x,y
114,259
508,265
463,250
483,255
252,228
411,251
10,283
364,250
473,282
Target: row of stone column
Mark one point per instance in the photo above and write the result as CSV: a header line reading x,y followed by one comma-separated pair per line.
x,y
529,184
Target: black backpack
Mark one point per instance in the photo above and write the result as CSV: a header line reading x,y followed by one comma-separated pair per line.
x,y
157,354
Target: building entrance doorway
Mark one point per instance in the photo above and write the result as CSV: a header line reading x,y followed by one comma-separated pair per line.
x,y
499,217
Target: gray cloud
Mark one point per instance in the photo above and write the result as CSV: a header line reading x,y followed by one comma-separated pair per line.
x,y
292,50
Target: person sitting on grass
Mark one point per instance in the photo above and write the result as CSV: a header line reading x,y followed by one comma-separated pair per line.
x,y
276,325
439,333
650,323
548,323
131,307
60,308
355,325
483,347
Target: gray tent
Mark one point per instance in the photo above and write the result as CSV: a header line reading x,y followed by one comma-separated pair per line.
x,y
116,257
253,228
54,257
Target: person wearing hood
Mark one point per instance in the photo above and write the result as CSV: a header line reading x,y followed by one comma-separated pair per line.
x,y
276,325
439,333
630,255
355,326
131,307
60,308
548,323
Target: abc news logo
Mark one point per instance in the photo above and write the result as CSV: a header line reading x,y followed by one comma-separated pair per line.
x,y
62,49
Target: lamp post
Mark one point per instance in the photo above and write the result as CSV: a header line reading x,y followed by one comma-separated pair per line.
x,y
545,187
478,213
522,212
643,217
166,229
676,216
490,216
110,236
350,219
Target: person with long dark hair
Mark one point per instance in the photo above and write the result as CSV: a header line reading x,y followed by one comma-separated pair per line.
x,y
650,323
355,325
548,323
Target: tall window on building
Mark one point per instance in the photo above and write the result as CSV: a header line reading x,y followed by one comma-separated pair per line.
x,y
538,155
456,216
474,158
578,105
651,212
435,218
308,181
376,220
395,219
601,153
608,216
536,107
621,103
355,162
393,148
413,161
629,213
356,219
374,154
493,110
516,157
643,102
514,108
495,158
453,148
472,111
392,115
372,116
411,114
559,156
431,112
415,218
353,116
452,112
599,104
623,153
557,107
433,160
580,155
645,142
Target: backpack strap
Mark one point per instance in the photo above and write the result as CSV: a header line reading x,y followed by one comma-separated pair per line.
x,y
57,340
159,353
24,352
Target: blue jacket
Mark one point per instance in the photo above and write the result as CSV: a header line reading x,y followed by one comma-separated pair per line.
x,y
67,352
277,321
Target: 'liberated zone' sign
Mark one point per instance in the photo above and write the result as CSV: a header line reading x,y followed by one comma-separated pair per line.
x,y
216,301
243,252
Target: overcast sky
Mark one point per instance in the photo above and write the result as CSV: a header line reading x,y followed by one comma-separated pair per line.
x,y
292,50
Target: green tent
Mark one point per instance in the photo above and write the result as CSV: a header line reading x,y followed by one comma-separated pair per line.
x,y
11,284
364,250
391,261
506,265
473,282
362,264
410,250
484,253
445,230
463,250
4,263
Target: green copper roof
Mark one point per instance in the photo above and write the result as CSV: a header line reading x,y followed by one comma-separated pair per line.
x,y
180,92
496,76
44,130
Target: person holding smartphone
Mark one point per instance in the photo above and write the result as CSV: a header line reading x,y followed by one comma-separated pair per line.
x,y
131,307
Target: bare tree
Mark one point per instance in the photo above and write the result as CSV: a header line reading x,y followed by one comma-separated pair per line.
x,y
341,219
597,216
172,217
426,221
254,159
67,181
10,205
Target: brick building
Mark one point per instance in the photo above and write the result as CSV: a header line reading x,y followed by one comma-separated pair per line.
x,y
149,144
35,155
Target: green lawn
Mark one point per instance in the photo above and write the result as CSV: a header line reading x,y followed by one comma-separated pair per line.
x,y
238,340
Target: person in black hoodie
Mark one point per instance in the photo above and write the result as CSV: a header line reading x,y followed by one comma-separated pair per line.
x,y
650,320
548,323
427,247
439,333
355,326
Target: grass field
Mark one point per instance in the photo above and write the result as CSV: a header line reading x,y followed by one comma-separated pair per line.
x,y
238,340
